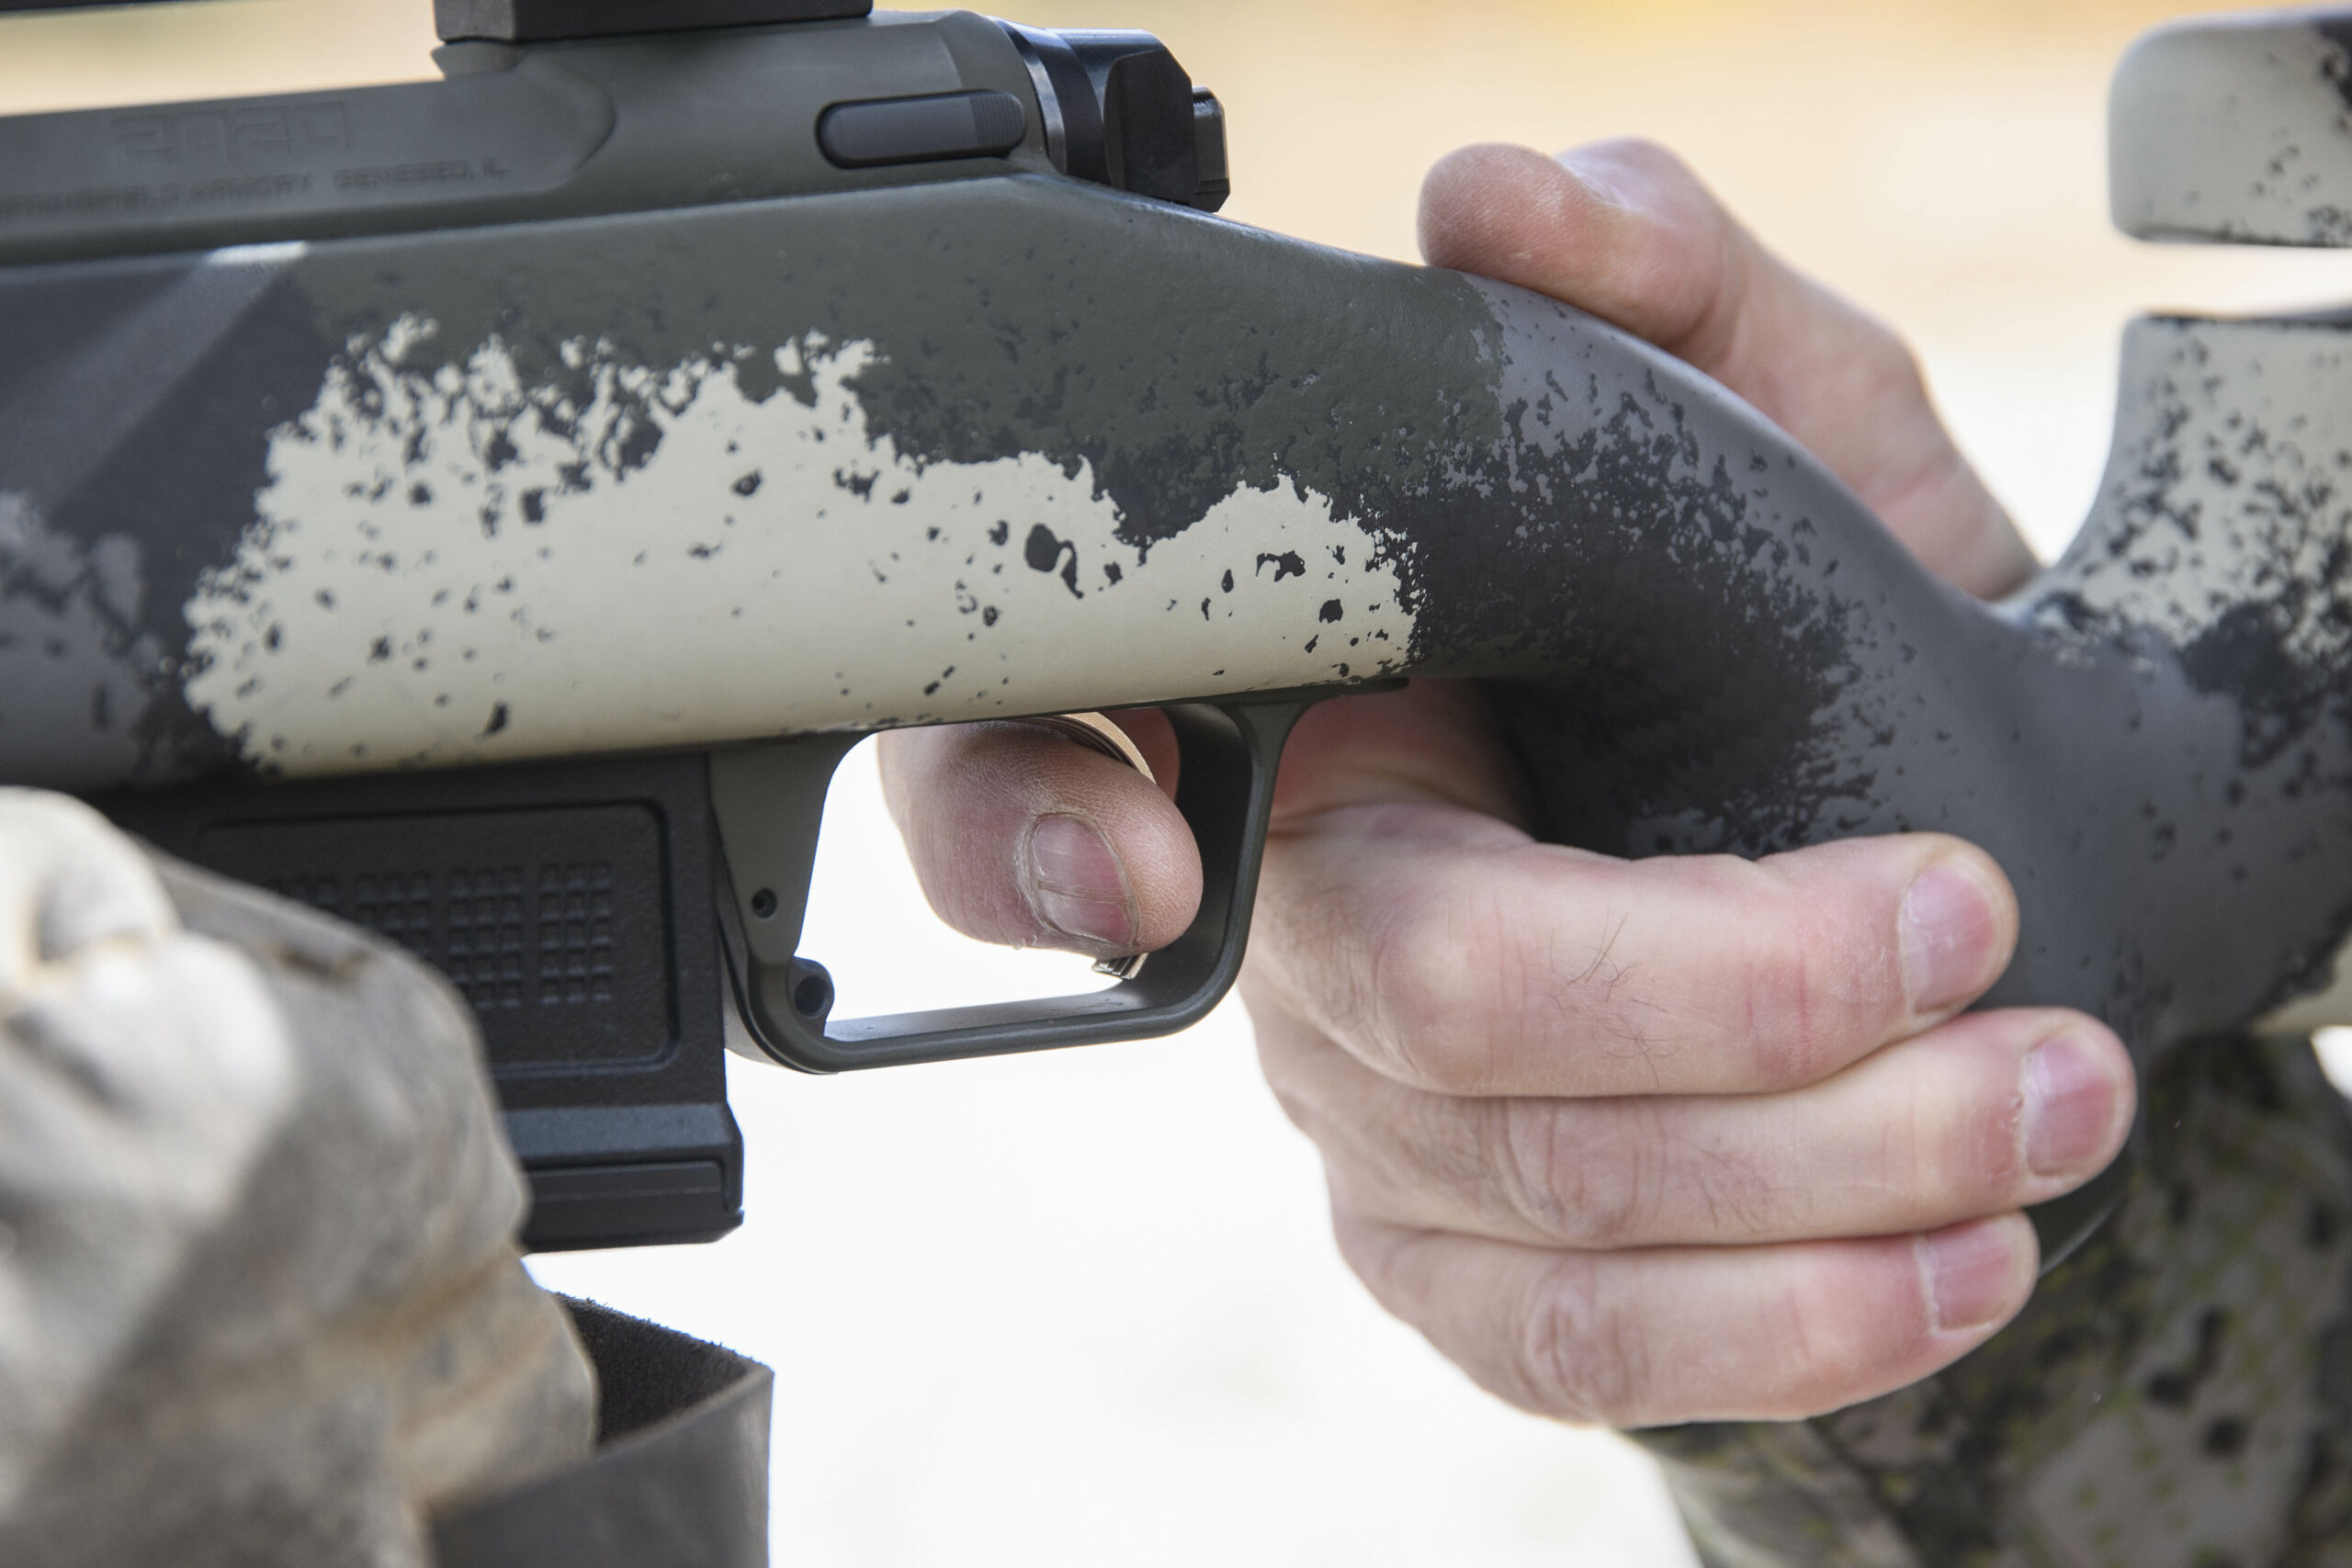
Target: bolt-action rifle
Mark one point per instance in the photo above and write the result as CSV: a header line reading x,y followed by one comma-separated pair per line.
x,y
489,508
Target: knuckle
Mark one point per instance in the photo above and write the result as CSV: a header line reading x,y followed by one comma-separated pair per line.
x,y
1597,1193
1406,1160
1793,1019
1419,984
1887,366
1780,1015
1971,1146
1575,1355
1811,997
1851,1323
1952,1105
1426,1151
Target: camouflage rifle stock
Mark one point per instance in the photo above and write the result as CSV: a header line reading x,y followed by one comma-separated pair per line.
x,y
489,508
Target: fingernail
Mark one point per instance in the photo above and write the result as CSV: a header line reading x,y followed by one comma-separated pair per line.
x,y
2069,1104
1949,937
1075,883
1971,1272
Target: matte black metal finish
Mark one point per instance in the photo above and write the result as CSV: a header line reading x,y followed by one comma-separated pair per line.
x,y
877,132
598,124
1120,111
541,21
588,126
768,800
572,906
1208,131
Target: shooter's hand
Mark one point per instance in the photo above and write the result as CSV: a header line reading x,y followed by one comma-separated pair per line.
x,y
1631,1142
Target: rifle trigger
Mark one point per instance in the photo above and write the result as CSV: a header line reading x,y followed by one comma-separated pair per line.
x,y
767,800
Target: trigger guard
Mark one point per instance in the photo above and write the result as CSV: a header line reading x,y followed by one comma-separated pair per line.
x,y
766,801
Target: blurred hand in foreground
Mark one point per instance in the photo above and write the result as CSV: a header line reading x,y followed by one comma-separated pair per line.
x,y
1631,1142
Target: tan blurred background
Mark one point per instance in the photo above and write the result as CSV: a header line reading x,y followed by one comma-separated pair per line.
x,y
1083,1309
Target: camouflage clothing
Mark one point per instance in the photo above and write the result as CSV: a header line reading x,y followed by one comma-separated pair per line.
x,y
2177,1395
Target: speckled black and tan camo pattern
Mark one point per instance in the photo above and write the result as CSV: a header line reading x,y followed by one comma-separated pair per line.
x,y
994,442
2234,129
2177,1395
2178,1391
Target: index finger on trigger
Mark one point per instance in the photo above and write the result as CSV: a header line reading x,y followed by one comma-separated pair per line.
x,y
1022,836
1457,956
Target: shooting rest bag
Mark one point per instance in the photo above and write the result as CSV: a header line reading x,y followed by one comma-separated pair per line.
x,y
260,1300
679,1478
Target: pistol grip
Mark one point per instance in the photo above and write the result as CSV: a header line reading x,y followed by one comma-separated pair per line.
x,y
767,800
